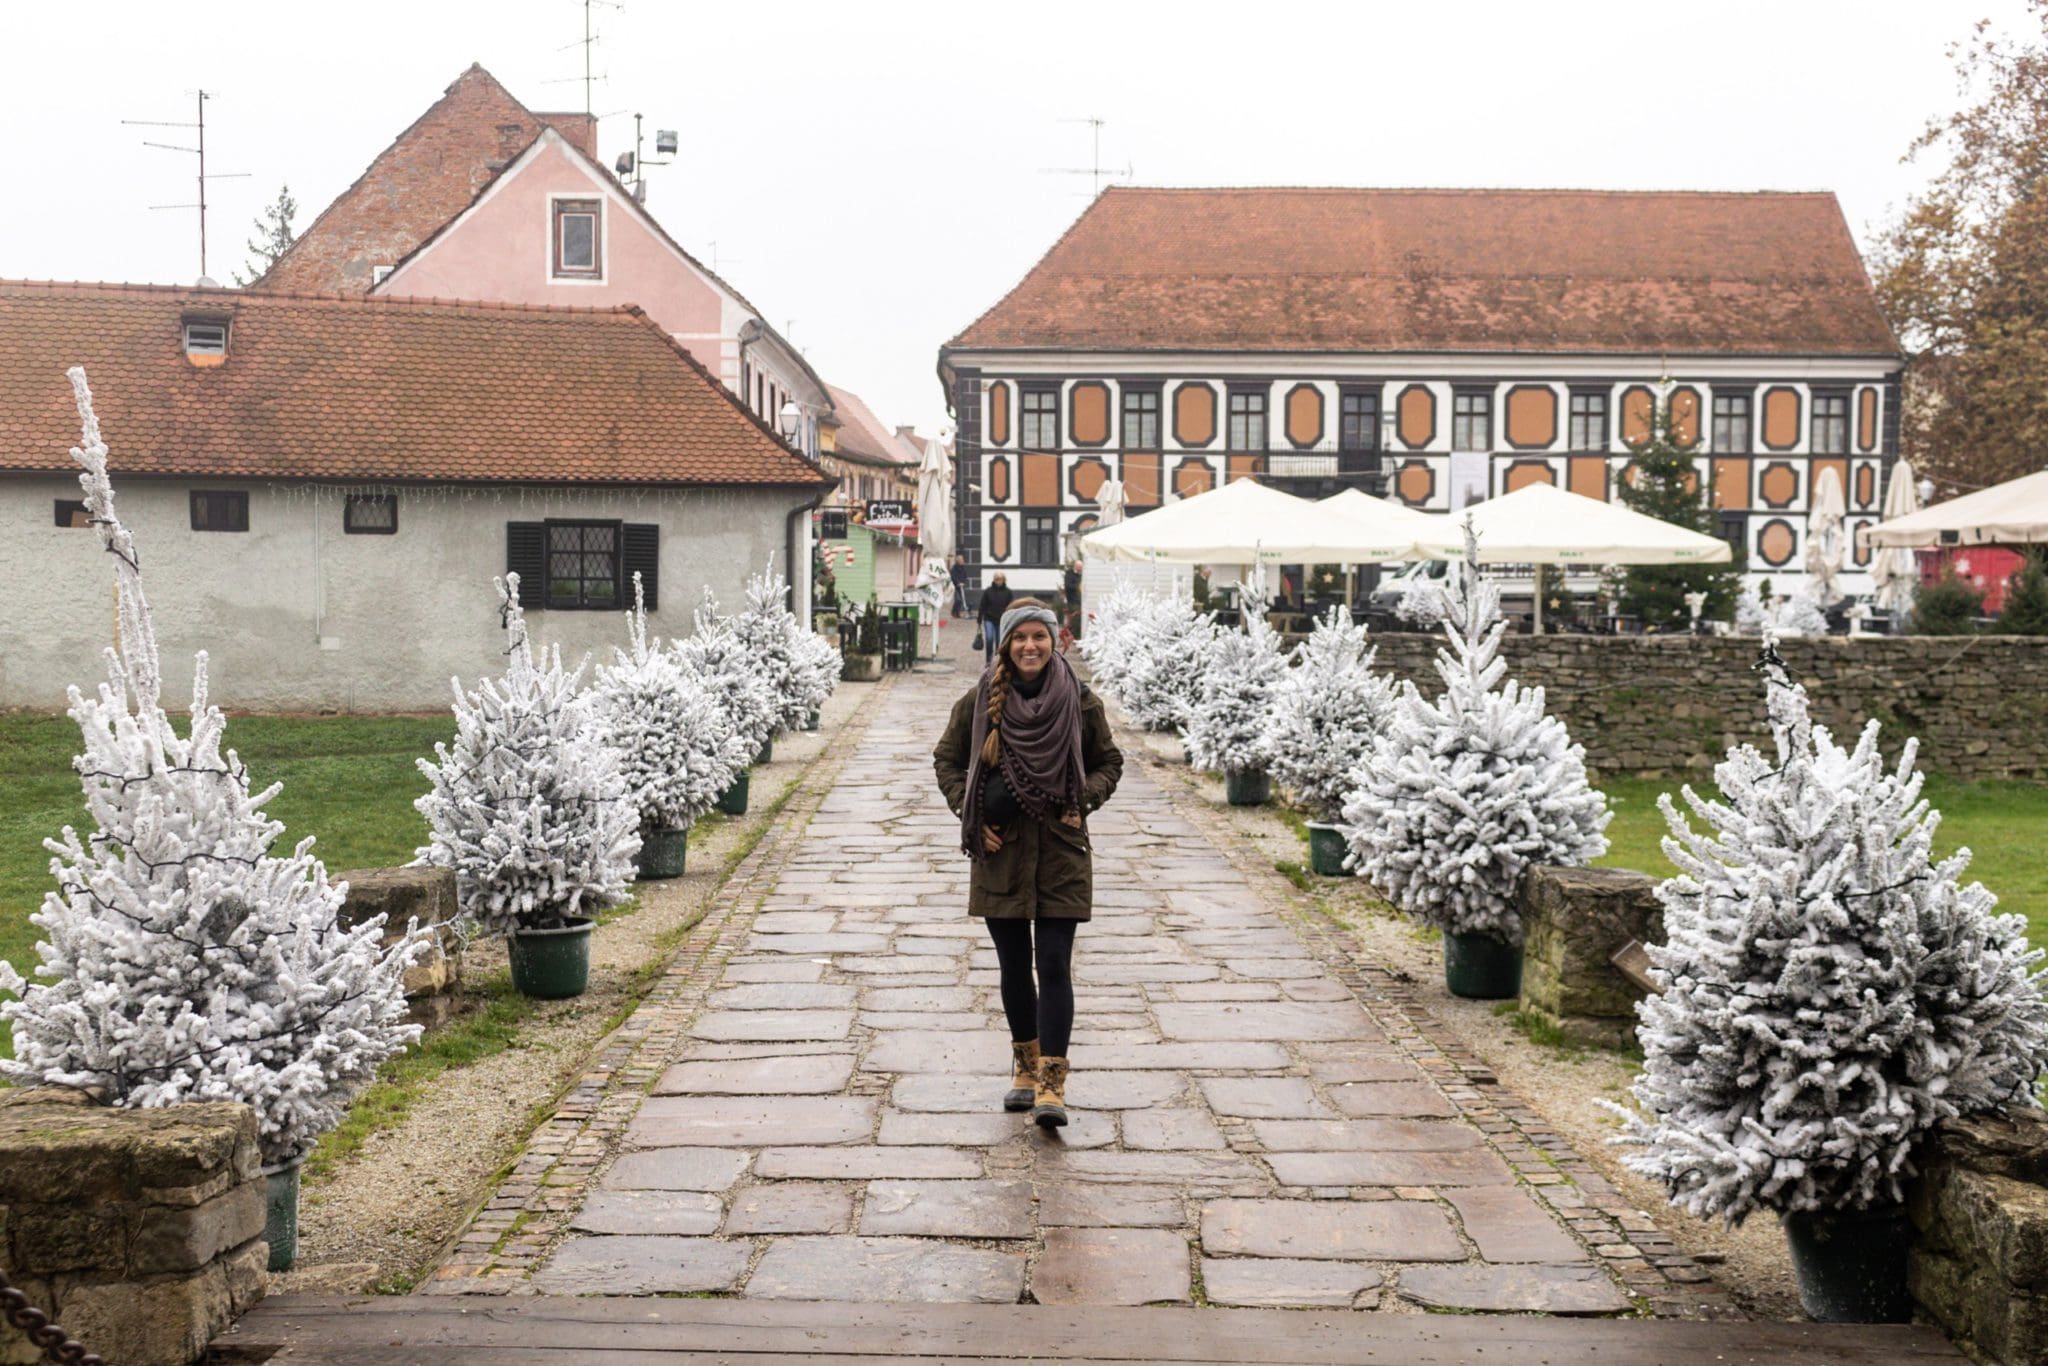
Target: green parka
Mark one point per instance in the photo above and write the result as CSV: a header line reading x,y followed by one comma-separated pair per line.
x,y
1044,867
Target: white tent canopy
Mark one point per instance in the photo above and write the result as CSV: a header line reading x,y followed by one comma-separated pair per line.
x,y
2012,513
1384,522
1542,524
1246,523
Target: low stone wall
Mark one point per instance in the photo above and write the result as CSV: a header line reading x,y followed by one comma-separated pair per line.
x,y
139,1231
1979,1267
1573,920
402,896
1674,704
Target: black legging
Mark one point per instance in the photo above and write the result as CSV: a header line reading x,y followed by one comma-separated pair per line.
x,y
1046,1013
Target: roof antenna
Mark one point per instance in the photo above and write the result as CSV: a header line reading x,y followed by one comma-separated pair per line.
x,y
200,152
1095,171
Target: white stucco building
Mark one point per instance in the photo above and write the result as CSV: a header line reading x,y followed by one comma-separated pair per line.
x,y
322,489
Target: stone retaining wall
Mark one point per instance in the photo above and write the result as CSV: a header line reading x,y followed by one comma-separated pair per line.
x,y
139,1231
1665,704
1980,1264
1574,920
401,896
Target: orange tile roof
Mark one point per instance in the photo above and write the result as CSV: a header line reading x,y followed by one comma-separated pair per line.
x,y
350,388
428,174
1447,270
861,433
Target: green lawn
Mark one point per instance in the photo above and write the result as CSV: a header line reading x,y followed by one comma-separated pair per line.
x,y
349,781
2004,824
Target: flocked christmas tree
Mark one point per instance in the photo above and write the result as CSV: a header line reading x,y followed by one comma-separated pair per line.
x,y
1325,715
1166,655
714,655
1106,644
1663,481
1830,990
1226,727
769,633
528,806
184,960
672,739
1463,795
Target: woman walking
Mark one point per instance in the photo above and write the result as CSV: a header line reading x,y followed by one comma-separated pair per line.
x,y
1027,754
995,600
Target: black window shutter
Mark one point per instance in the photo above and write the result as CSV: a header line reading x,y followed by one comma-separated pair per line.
x,y
526,556
642,546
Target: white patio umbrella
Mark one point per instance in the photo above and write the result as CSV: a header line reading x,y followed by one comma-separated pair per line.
x,y
1385,520
935,502
1825,542
1542,524
1244,523
1109,503
2012,513
1893,571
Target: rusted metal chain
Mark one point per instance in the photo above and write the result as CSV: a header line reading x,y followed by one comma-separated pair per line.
x,y
55,1342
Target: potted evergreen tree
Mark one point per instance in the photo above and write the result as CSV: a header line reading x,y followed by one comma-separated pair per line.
x,y
1325,714
1830,992
1166,657
713,655
863,663
528,806
1463,795
671,738
182,958
1226,727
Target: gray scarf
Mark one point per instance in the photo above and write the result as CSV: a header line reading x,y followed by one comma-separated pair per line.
x,y
1040,751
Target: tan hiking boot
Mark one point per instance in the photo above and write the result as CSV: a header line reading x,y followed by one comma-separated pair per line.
x,y
1024,1075
1049,1106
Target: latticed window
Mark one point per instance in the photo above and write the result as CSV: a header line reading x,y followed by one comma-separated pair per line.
x,y
1830,424
1041,536
370,514
1247,425
1040,410
1472,420
1141,419
1731,424
583,564
1589,420
220,510
1358,422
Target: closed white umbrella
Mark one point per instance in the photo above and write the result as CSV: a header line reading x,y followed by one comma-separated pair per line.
x,y
1109,503
1893,571
935,502
1825,543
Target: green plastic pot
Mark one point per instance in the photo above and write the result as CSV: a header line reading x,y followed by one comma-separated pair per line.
x,y
1482,968
281,1214
1326,850
663,853
767,754
733,801
1247,786
552,964
1851,1264
811,721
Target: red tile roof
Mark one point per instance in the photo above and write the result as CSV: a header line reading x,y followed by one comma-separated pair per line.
x,y
861,434
428,174
373,389
1447,270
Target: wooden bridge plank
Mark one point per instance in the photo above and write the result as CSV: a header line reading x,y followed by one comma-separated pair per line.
x,y
599,1329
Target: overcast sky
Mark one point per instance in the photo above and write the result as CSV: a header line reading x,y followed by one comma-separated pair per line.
x,y
876,174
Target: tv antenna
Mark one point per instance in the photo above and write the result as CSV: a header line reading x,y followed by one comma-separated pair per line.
x,y
589,41
200,152
1095,170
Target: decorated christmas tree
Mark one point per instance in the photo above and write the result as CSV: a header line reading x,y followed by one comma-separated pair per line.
x,y
1664,482
529,806
1463,795
672,739
1830,990
1226,727
183,959
1326,713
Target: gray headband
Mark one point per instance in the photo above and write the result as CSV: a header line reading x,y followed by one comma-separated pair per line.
x,y
1017,616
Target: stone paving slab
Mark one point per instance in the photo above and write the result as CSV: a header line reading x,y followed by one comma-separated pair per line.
x,y
818,1115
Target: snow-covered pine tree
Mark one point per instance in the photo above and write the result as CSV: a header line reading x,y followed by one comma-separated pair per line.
x,y
184,961
671,737
768,631
528,806
1422,603
1831,991
1168,653
1800,615
1106,644
1326,712
1226,727
1463,795
714,655
1750,614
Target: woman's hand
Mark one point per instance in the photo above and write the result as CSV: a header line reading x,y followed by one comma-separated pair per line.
x,y
1072,820
990,840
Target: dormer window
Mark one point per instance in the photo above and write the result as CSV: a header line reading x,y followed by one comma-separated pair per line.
x,y
578,245
206,342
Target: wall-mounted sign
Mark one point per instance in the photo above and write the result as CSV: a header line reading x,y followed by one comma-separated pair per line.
x,y
889,510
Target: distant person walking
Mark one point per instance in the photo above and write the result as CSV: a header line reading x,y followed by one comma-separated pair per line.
x,y
1071,583
958,573
995,600
1026,755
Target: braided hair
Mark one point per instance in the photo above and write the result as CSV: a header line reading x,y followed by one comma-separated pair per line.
x,y
999,693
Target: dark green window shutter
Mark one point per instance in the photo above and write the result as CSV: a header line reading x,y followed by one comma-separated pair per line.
x,y
526,556
642,546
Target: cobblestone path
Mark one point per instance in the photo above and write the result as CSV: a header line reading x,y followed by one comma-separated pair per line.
x,y
827,1125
